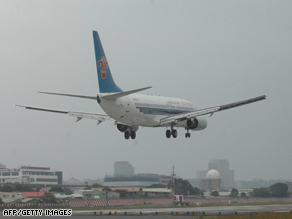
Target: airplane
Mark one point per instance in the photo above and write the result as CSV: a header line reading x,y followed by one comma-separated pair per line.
x,y
131,110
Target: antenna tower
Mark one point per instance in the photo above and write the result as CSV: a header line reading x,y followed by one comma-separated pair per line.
x,y
172,184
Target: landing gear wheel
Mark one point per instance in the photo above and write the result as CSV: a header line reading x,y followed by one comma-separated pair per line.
x,y
188,135
174,133
127,135
133,134
168,133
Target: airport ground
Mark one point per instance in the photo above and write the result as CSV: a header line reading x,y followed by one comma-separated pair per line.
x,y
273,211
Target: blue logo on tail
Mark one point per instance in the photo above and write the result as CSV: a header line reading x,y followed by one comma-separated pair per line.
x,y
105,79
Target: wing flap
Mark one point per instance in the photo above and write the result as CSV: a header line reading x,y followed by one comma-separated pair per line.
x,y
184,116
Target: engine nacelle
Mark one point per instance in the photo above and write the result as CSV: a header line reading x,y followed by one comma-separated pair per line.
x,y
197,124
123,128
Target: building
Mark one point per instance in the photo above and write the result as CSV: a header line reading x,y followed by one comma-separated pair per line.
x,y
139,180
85,194
196,182
227,175
123,168
201,174
30,175
212,181
222,166
157,192
11,196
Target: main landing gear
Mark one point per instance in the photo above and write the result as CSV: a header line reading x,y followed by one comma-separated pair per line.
x,y
129,134
173,133
188,135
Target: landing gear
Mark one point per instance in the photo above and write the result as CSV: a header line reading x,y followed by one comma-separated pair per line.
x,y
172,132
168,133
131,134
188,135
127,135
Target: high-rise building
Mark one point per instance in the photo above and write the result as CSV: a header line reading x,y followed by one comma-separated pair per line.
x,y
227,175
123,168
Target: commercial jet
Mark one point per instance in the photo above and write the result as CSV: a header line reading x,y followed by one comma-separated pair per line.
x,y
131,110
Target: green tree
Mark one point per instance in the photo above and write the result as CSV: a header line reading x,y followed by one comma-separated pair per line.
x,y
156,186
261,192
215,193
7,188
1,202
279,190
96,185
122,192
183,187
67,191
234,193
18,187
243,195
106,189
49,198
57,189
27,188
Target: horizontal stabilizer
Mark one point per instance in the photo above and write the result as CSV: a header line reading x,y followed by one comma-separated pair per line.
x,y
69,95
122,94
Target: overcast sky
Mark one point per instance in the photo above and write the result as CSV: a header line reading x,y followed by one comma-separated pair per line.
x,y
208,52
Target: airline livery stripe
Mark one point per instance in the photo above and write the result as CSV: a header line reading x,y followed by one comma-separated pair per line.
x,y
159,111
181,111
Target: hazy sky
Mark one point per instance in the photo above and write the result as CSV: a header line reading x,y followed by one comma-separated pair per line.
x,y
208,52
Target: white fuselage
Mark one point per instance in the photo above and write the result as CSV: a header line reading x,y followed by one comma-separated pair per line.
x,y
144,110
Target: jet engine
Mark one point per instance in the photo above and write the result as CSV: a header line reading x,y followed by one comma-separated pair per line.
x,y
196,124
123,128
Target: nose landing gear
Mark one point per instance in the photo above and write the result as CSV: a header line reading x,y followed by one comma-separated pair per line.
x,y
188,135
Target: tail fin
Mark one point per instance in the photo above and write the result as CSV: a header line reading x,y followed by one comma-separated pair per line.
x,y
105,79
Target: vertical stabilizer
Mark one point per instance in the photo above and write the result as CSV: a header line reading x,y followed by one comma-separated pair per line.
x,y
105,79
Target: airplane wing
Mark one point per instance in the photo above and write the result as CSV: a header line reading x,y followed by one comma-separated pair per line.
x,y
79,115
189,115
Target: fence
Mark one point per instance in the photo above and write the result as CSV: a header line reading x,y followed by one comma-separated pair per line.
x,y
146,201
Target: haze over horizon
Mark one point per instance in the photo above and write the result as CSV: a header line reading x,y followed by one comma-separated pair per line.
x,y
210,53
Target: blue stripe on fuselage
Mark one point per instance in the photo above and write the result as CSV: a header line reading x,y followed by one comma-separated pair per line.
x,y
160,111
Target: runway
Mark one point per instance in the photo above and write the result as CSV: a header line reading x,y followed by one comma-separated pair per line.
x,y
218,210
194,212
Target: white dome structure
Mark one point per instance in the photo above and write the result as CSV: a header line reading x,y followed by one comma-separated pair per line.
x,y
213,174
